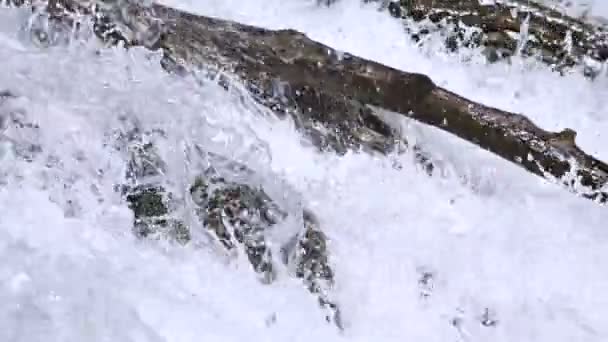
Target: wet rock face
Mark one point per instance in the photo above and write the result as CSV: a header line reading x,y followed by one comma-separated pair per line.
x,y
312,253
312,265
285,74
333,123
150,211
324,110
128,21
329,93
330,118
237,215
504,29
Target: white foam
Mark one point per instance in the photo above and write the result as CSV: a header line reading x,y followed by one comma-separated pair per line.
x,y
493,235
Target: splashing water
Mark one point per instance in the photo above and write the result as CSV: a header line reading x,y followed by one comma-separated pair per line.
x,y
523,35
487,252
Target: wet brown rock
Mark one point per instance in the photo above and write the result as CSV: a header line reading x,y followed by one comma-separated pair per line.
x,y
506,28
336,90
330,93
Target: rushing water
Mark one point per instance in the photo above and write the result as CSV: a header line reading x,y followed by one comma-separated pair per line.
x,y
512,257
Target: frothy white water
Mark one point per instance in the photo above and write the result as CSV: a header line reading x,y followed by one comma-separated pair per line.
x,y
491,235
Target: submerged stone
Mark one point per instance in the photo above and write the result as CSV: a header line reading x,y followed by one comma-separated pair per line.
x,y
239,214
150,201
236,214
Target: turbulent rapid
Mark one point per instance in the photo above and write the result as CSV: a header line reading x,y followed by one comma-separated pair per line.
x,y
480,251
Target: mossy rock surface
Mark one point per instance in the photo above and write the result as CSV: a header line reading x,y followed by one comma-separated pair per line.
x,y
237,215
